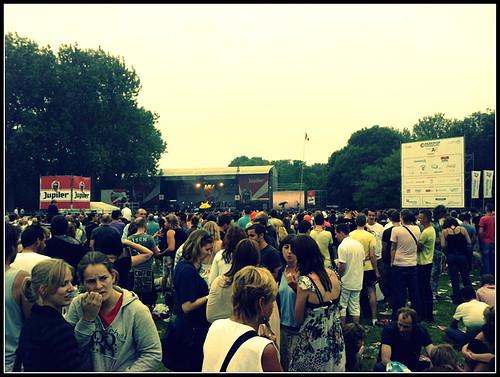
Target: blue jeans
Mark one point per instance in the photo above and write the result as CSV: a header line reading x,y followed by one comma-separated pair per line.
x,y
403,279
487,258
436,270
457,337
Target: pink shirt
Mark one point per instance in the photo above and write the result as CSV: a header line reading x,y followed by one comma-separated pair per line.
x,y
486,294
406,247
488,224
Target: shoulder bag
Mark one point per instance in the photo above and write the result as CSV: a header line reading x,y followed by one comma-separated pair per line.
x,y
242,339
414,238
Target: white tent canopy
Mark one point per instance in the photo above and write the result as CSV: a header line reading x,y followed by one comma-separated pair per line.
x,y
101,207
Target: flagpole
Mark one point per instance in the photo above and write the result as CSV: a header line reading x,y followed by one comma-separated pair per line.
x,y
302,169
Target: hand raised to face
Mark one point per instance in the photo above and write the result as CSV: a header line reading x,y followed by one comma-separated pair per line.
x,y
91,304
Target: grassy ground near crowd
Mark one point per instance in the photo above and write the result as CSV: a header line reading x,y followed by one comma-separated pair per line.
x,y
443,305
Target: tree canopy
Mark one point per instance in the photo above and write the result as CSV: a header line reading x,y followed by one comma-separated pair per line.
x,y
74,112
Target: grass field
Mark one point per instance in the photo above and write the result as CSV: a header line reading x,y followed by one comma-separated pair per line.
x,y
445,310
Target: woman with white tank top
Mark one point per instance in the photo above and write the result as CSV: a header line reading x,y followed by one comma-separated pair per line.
x,y
232,344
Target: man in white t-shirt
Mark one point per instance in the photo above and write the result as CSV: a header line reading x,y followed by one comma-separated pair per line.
x,y
470,313
404,240
33,241
126,212
350,265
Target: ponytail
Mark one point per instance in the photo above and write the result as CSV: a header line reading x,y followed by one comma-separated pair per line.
x,y
27,290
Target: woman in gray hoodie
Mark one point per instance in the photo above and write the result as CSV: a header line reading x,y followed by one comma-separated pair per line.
x,y
111,323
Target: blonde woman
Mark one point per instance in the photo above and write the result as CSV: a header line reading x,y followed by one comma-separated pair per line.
x,y
254,293
47,342
280,229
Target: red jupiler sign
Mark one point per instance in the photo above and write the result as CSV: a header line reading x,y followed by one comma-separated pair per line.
x,y
70,192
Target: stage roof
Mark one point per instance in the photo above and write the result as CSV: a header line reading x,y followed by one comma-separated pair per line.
x,y
232,170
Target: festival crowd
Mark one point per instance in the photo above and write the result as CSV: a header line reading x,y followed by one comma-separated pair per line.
x,y
246,292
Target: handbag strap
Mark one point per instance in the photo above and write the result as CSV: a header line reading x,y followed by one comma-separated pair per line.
x,y
414,239
242,339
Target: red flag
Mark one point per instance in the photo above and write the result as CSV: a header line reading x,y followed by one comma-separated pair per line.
x,y
307,137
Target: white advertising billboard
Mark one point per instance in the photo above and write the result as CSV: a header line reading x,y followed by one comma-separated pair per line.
x,y
432,173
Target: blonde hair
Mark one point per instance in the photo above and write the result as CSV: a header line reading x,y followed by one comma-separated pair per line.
x,y
280,229
213,229
249,284
49,273
173,220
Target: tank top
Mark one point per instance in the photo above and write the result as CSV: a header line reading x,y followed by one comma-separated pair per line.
x,y
321,303
221,336
287,300
180,237
13,320
456,243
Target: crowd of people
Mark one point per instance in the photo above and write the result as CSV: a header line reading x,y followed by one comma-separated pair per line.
x,y
247,292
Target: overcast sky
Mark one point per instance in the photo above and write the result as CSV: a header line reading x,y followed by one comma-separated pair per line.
x,y
231,80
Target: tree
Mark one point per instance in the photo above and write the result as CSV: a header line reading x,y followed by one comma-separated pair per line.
x,y
86,120
30,84
245,161
366,147
478,130
433,127
380,185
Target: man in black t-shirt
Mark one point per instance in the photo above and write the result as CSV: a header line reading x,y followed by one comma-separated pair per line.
x,y
395,219
124,261
105,238
402,341
269,256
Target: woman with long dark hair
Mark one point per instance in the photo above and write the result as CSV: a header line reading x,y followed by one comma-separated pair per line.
x,y
219,305
454,241
287,288
321,345
223,258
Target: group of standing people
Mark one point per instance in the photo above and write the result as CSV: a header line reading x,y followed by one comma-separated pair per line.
x,y
246,295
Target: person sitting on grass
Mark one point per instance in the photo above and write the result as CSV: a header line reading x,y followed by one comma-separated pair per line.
x,y
443,359
354,336
402,341
479,353
487,291
470,313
